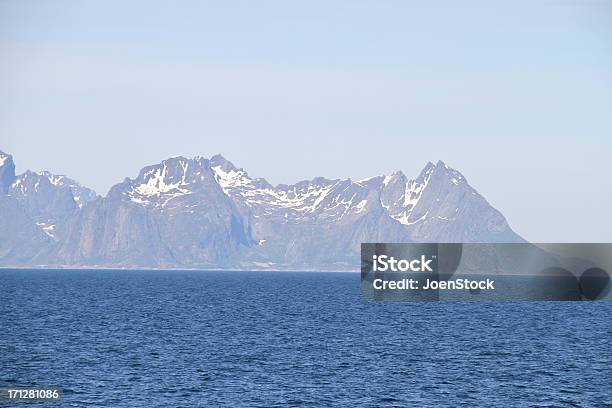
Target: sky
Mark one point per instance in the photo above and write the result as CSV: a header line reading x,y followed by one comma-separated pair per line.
x,y
515,95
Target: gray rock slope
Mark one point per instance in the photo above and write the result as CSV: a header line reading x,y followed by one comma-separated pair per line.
x,y
207,213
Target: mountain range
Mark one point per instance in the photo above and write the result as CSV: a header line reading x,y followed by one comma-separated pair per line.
x,y
208,214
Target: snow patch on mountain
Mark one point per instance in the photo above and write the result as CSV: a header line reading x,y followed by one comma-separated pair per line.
x,y
399,196
232,178
304,197
47,228
157,183
360,207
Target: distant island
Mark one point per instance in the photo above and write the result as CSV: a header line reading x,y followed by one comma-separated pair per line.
x,y
208,214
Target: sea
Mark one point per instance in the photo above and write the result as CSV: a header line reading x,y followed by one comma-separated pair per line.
x,y
125,338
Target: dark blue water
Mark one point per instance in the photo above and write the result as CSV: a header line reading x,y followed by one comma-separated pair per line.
x,y
170,339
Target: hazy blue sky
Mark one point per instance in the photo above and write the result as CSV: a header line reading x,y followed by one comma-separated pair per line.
x,y
516,95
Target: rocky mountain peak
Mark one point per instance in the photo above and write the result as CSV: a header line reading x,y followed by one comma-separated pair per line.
x,y
219,161
5,157
7,172
440,172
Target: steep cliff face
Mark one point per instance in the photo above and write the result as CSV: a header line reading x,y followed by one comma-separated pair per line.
x,y
7,172
201,213
21,239
173,214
